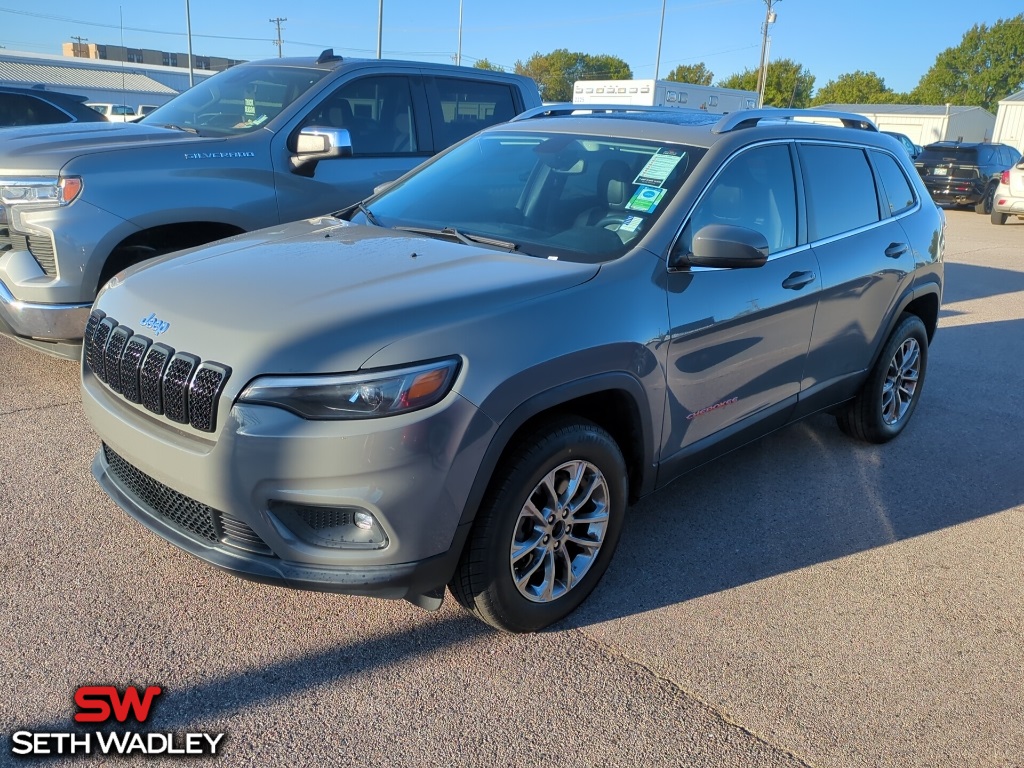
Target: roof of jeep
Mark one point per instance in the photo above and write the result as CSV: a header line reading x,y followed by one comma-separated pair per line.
x,y
688,126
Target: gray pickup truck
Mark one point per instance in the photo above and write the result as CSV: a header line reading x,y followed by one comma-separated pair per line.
x,y
259,144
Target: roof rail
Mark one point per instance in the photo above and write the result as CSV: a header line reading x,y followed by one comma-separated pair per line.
x,y
748,118
550,110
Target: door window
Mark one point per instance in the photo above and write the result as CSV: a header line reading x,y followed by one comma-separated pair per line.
x,y
840,189
755,190
376,111
466,106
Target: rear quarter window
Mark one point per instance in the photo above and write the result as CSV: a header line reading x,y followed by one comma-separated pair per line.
x,y
840,189
898,191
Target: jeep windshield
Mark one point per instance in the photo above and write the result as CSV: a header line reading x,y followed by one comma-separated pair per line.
x,y
552,195
238,100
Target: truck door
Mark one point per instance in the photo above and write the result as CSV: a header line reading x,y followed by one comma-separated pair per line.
x,y
386,117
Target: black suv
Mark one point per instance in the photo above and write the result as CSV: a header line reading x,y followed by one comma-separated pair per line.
x,y
964,174
34,106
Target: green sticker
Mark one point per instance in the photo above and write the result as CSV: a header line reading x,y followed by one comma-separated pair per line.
x,y
250,106
645,199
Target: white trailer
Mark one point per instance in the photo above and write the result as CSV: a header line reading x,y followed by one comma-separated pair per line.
x,y
662,93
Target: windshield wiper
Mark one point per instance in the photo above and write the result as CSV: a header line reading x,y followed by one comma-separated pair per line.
x,y
362,209
180,128
462,237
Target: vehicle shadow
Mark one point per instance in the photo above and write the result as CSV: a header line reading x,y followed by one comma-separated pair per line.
x,y
965,282
809,495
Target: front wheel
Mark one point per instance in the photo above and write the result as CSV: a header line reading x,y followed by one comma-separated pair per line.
x,y
547,529
890,395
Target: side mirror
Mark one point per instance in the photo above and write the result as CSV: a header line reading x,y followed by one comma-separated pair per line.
x,y
316,143
725,246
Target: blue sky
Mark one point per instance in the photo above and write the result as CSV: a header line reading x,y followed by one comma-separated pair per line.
x,y
897,39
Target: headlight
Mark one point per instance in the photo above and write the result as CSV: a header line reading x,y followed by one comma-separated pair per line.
x,y
40,191
367,395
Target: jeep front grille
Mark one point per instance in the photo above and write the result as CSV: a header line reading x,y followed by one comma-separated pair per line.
x,y
40,246
173,384
180,510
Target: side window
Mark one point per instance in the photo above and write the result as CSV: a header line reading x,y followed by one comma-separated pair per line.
x,y
840,190
376,111
16,109
466,107
755,190
897,189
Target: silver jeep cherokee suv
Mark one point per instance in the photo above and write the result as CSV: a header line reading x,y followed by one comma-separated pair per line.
x,y
465,379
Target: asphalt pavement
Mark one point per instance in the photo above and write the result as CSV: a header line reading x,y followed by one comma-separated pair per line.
x,y
805,601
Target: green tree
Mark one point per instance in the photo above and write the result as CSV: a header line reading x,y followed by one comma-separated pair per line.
x,y
789,84
488,64
987,66
855,88
695,74
556,72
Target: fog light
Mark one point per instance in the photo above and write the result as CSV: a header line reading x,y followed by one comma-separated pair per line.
x,y
335,527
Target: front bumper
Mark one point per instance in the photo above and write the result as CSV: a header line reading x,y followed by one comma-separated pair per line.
x,y
46,322
411,472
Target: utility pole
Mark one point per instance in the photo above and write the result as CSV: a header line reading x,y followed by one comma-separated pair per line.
x,y
278,21
77,48
762,70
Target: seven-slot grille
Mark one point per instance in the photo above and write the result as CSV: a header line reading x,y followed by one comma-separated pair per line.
x,y
184,512
174,384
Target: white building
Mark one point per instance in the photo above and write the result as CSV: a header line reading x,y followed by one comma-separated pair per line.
x,y
1010,121
99,81
925,124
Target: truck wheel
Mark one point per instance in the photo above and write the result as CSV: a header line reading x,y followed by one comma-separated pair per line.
x,y
890,395
546,530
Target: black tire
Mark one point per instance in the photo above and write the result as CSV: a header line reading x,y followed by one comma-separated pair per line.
x,y
484,582
985,204
997,217
873,416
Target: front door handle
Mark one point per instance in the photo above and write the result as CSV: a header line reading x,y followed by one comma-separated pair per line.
x,y
895,250
798,280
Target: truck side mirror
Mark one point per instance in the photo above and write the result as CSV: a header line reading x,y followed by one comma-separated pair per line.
x,y
316,143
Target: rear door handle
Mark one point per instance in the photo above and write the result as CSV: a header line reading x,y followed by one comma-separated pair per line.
x,y
895,250
798,280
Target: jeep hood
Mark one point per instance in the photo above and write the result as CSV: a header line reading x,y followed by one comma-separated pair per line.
x,y
46,149
321,296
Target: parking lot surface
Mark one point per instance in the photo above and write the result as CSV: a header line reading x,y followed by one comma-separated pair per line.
x,y
805,601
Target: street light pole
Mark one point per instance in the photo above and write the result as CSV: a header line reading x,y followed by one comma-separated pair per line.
x,y
380,26
458,56
188,29
661,31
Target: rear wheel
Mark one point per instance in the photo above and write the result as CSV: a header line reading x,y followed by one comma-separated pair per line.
x,y
547,529
985,204
997,217
890,395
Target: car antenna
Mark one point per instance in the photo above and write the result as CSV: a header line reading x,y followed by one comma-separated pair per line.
x,y
328,55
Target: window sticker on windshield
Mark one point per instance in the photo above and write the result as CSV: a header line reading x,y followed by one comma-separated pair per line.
x,y
631,223
659,167
645,199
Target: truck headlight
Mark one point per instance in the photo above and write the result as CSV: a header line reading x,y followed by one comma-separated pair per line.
x,y
40,191
369,395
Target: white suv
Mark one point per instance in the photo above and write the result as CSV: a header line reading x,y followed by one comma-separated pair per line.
x,y
1009,197
115,113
